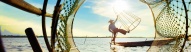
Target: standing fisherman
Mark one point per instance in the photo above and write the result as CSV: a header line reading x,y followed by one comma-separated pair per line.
x,y
114,30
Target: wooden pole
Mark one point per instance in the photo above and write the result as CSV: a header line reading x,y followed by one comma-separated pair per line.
x,y
44,26
33,40
1,43
21,4
186,35
55,23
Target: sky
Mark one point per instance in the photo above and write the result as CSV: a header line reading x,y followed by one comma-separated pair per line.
x,y
91,18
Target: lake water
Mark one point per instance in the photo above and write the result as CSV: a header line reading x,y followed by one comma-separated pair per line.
x,y
88,45
103,44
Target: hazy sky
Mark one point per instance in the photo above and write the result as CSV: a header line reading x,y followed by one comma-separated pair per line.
x,y
91,19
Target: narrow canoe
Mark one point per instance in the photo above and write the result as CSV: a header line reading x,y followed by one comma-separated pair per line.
x,y
142,43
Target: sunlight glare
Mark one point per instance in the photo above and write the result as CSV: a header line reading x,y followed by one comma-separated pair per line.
x,y
120,5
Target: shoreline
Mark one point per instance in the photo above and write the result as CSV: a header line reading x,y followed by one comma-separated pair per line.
x,y
73,37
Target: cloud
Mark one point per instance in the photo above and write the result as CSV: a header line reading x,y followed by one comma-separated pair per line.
x,y
141,28
80,32
146,18
90,29
103,8
87,6
18,26
106,7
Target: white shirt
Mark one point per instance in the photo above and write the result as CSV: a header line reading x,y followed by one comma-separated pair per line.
x,y
112,26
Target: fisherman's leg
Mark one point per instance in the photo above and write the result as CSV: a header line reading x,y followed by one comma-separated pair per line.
x,y
123,31
114,38
114,34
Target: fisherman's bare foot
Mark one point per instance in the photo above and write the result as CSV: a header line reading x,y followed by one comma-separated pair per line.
x,y
126,32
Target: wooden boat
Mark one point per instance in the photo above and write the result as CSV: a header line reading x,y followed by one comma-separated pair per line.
x,y
141,43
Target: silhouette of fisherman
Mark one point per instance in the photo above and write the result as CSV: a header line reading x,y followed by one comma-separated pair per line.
x,y
114,30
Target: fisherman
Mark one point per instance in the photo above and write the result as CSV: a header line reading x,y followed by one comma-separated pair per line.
x,y
114,30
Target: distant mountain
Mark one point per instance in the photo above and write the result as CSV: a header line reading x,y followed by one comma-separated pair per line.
x,y
6,32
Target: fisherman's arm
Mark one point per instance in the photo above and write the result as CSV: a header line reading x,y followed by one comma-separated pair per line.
x,y
116,19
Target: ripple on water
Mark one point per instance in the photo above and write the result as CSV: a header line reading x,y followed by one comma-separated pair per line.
x,y
19,46
28,46
19,49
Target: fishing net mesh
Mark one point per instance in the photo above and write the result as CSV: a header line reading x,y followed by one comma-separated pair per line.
x,y
170,23
64,39
128,20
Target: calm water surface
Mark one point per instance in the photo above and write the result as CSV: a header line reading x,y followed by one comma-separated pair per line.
x,y
83,44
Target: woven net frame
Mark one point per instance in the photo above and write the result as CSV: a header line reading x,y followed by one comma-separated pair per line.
x,y
64,37
171,21
128,20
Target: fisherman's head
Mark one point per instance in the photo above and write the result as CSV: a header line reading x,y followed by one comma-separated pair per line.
x,y
111,21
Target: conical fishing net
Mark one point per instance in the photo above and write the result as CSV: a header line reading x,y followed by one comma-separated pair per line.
x,y
171,18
